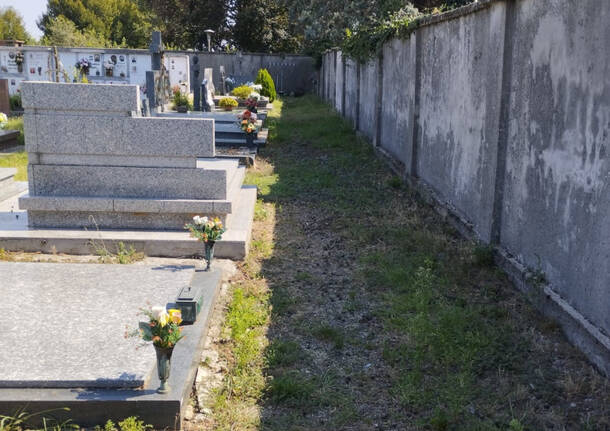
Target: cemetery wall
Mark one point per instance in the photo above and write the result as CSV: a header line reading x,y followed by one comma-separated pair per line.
x,y
291,73
501,112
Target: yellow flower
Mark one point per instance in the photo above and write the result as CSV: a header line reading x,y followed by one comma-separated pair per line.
x,y
163,318
175,316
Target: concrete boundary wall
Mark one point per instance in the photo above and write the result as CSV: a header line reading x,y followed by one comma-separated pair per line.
x,y
500,113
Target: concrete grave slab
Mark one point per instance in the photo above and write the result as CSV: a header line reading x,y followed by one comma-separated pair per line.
x,y
66,322
91,406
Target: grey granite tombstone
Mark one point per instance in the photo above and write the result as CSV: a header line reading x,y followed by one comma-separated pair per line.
x,y
102,165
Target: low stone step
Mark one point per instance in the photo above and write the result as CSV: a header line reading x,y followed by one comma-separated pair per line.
x,y
8,139
8,186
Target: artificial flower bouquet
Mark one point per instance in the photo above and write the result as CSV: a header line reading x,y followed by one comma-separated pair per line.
x,y
163,327
205,229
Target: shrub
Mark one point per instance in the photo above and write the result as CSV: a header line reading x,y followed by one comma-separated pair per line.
x,y
264,78
243,91
228,102
15,102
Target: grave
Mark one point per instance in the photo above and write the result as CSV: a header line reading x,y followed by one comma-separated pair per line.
x,y
65,344
8,186
99,170
8,139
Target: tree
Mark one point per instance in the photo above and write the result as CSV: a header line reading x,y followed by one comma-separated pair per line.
x,y
183,22
12,26
264,26
60,31
120,22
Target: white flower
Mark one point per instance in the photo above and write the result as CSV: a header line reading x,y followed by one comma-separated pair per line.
x,y
254,95
257,87
157,311
200,220
253,117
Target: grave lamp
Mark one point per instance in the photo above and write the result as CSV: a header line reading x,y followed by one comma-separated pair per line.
x,y
209,34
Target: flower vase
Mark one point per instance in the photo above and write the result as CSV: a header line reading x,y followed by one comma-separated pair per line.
x,y
164,356
209,253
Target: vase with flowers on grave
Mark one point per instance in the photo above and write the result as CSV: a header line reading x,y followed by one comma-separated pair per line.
x,y
162,328
208,231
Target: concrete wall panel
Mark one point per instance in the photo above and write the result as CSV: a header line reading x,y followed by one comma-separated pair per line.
x,y
461,71
368,97
351,90
397,109
557,191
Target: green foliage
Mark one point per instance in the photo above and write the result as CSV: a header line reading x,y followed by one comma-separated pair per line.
x,y
12,25
105,22
228,102
264,26
182,23
368,41
15,102
133,424
60,31
124,255
264,78
129,424
290,388
483,255
329,333
179,99
242,92
22,420
515,425
283,353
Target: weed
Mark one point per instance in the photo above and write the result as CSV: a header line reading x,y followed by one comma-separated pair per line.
x,y
395,182
283,353
6,256
291,388
131,423
483,255
21,420
328,333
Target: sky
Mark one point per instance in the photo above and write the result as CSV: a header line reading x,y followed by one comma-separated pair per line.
x,y
30,10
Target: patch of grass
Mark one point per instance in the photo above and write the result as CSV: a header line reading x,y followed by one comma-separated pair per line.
x,y
483,255
330,334
22,420
291,389
124,254
6,256
17,160
283,353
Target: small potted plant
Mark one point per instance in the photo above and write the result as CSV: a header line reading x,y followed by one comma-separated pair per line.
x,y
242,92
207,231
164,331
228,103
181,101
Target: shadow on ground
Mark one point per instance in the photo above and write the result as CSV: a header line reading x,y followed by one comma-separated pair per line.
x,y
361,308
